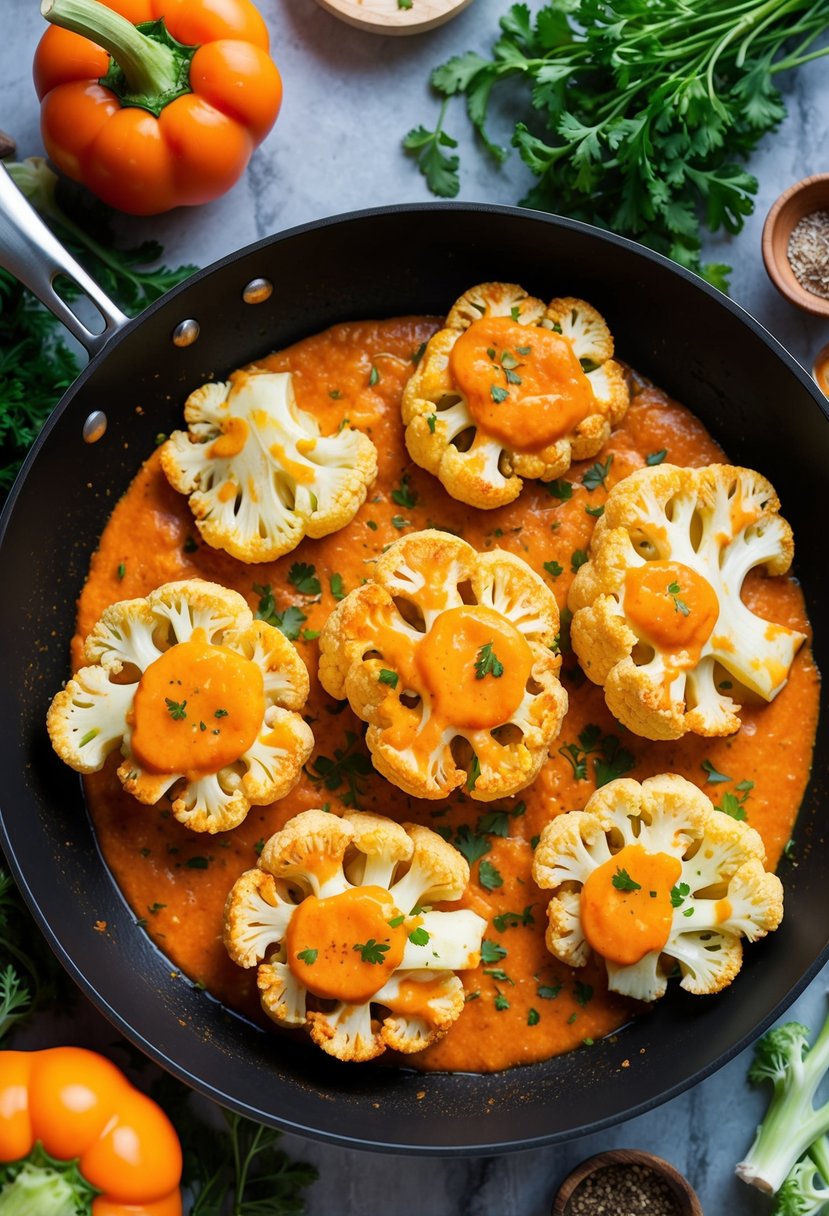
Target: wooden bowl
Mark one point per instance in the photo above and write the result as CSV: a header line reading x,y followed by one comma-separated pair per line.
x,y
686,1199
386,16
804,197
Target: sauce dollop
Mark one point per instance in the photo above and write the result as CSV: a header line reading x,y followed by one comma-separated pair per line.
x,y
626,909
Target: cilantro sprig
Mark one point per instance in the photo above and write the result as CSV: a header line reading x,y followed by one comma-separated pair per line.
x,y
634,116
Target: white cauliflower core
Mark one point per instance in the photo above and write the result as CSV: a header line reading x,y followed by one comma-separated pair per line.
x,y
480,451
337,919
669,659
259,475
447,655
141,654
651,877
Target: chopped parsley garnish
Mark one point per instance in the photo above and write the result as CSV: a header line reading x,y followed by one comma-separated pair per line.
x,y
549,992
122,570
289,622
560,489
596,475
489,877
511,920
498,394
679,894
308,956
577,559
197,863
404,495
371,951
656,457
501,1002
220,713
610,759
674,590
155,908
474,772
399,522
388,677
372,523
419,937
176,709
304,578
470,844
492,952
337,586
191,545
335,394
533,1017
348,766
498,973
417,355
713,777
553,569
431,420
495,823
596,512
733,806
622,881
582,993
373,376
396,921
259,846
488,663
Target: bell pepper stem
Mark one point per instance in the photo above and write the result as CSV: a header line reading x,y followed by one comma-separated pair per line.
x,y
150,68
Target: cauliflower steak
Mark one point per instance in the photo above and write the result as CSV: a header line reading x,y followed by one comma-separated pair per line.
x,y
203,701
337,919
258,473
650,877
511,389
658,617
447,655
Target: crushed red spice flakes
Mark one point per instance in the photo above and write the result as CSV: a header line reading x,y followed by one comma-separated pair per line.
x,y
623,1190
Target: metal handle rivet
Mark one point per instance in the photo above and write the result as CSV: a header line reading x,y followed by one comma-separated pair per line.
x,y
186,332
257,291
94,427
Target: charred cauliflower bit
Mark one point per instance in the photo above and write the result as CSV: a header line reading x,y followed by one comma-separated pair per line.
x,y
203,701
497,398
337,920
259,475
447,655
658,615
652,877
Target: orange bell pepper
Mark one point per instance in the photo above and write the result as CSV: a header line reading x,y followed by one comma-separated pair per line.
x,y
74,1132
155,103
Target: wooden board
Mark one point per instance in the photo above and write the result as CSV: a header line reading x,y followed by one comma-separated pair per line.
x,y
386,17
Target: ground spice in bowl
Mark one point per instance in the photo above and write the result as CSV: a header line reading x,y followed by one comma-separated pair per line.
x,y
623,1190
808,253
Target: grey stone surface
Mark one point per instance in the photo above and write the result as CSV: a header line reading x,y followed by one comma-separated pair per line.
x,y
349,97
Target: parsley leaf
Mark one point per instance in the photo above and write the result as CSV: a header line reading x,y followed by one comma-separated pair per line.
x,y
176,709
470,844
372,951
488,663
440,168
303,577
388,677
679,894
713,777
492,952
290,621
404,496
308,956
622,881
419,936
654,458
349,767
560,489
489,877
337,586
553,569
596,475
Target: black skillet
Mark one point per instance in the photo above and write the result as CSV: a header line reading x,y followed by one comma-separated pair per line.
x,y
690,339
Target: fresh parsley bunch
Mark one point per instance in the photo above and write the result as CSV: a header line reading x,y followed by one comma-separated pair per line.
x,y
638,112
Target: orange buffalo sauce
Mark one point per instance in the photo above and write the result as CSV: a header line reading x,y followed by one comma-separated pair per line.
x,y
673,607
544,1008
344,947
233,438
197,708
626,909
524,384
475,664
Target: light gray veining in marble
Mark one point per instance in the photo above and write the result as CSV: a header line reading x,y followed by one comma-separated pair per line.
x,y
349,97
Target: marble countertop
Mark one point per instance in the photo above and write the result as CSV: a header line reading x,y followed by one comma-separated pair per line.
x,y
349,98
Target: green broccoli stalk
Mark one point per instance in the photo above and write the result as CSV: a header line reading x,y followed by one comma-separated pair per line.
x,y
791,1125
43,1185
801,1194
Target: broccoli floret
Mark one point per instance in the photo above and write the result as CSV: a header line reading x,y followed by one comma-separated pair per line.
x,y
792,1125
801,1194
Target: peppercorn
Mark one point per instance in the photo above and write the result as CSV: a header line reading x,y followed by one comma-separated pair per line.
x,y
808,253
623,1190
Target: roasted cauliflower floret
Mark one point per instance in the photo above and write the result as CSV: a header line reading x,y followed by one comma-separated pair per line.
x,y
658,617
337,920
650,877
511,389
259,474
446,654
203,701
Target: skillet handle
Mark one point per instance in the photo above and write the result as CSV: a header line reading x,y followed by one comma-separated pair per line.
x,y
34,255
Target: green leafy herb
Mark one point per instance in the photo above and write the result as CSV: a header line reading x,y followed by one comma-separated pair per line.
x,y
349,767
679,894
431,420
713,777
373,376
492,952
372,951
596,475
308,956
549,992
560,489
498,394
596,512
304,578
582,993
176,709
470,844
498,973
440,168
635,115
418,354
399,522
732,805
197,863
533,1017
405,4
511,920
121,571
473,772
610,759
495,823
335,394
419,937
388,677
501,1002
577,559
337,587
622,881
487,663
489,877
289,622
674,590
553,569
404,496
654,458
